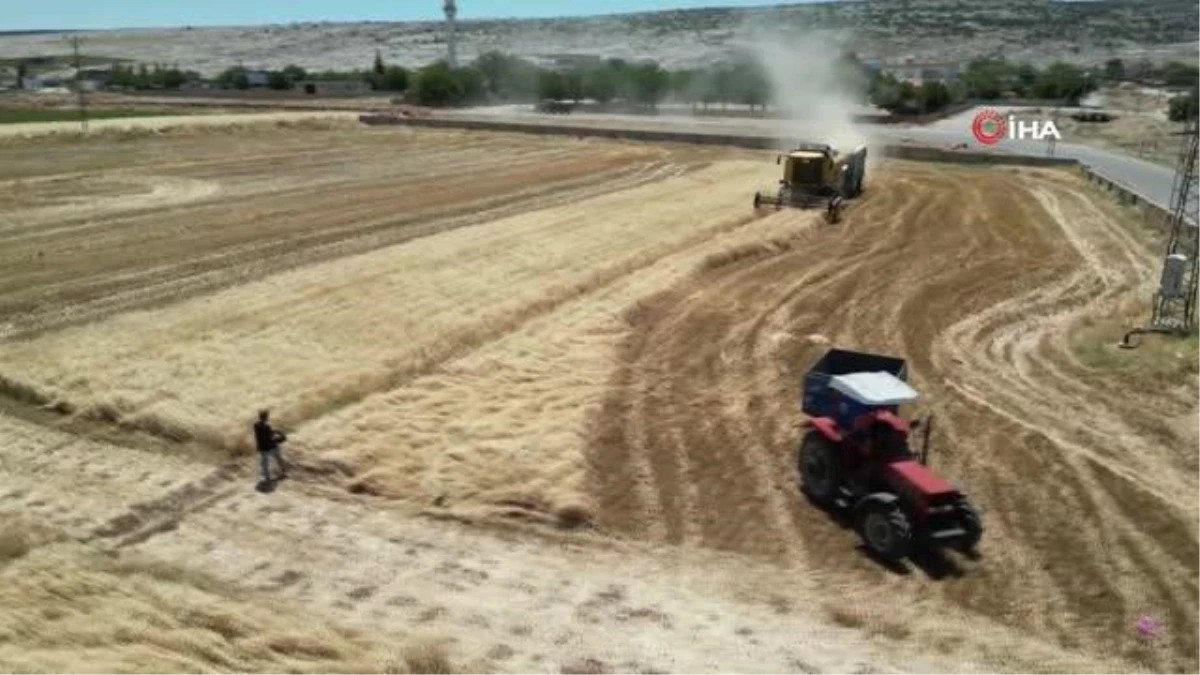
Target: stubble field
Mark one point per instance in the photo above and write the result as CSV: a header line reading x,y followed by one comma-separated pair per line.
x,y
586,335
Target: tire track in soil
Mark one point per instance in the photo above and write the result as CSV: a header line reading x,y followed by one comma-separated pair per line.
x,y
977,277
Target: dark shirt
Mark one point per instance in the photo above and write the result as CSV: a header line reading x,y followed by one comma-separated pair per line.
x,y
265,437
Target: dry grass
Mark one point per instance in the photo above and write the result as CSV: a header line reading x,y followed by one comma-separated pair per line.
x,y
426,654
845,616
855,616
306,341
66,608
505,426
14,543
144,127
1138,136
1158,358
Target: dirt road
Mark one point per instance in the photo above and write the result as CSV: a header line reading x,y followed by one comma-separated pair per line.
x,y
979,280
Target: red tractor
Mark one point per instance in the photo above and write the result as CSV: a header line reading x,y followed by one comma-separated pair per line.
x,y
856,458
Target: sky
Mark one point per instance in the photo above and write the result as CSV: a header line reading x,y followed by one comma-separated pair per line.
x,y
93,14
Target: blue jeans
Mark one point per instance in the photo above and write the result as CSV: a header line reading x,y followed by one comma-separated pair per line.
x,y
265,456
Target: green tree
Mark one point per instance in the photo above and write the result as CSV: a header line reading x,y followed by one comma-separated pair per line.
x,y
724,84
294,73
1186,107
649,83
173,78
508,78
22,73
471,83
708,86
893,95
989,78
1027,75
884,90
933,96
681,86
1062,81
573,80
394,78
277,80
1114,70
233,78
601,83
750,83
552,86
437,86
379,67
1176,74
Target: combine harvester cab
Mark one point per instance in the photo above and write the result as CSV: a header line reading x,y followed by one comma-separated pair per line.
x,y
817,174
855,457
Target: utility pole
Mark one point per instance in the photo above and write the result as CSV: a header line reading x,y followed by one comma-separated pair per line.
x,y
83,102
1174,304
451,10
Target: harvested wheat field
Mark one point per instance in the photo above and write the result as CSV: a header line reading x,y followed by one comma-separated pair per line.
x,y
542,401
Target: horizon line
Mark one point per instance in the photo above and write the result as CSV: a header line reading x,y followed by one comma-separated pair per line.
x,y
460,20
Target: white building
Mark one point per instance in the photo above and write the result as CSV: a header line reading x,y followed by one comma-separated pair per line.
x,y
919,72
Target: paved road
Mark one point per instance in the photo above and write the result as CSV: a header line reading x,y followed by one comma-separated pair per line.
x,y
1152,182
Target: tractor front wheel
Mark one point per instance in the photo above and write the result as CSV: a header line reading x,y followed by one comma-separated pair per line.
x,y
818,468
885,530
971,523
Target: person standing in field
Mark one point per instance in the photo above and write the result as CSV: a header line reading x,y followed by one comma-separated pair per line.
x,y
268,440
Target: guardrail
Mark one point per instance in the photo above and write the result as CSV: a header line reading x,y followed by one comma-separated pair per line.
x,y
1125,193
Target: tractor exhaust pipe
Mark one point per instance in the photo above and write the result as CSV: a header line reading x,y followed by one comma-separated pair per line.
x,y
925,442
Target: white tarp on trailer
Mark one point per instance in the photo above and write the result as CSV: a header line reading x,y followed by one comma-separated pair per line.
x,y
874,388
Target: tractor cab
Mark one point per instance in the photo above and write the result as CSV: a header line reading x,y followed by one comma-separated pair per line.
x,y
805,167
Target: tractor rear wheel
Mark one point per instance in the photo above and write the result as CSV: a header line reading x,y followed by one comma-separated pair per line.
x,y
818,468
885,530
969,520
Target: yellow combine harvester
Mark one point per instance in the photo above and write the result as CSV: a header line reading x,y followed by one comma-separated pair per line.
x,y
815,174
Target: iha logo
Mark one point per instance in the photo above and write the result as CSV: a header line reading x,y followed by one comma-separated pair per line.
x,y
990,127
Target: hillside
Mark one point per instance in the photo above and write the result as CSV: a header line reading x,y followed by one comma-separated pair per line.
x,y
1033,30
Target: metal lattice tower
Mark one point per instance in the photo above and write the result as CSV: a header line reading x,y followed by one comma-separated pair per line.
x,y
1175,301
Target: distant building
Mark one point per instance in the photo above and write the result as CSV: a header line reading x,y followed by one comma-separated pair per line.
x,y
333,87
919,72
43,82
91,79
8,78
258,79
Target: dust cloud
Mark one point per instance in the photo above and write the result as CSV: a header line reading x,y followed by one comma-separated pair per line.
x,y
816,99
